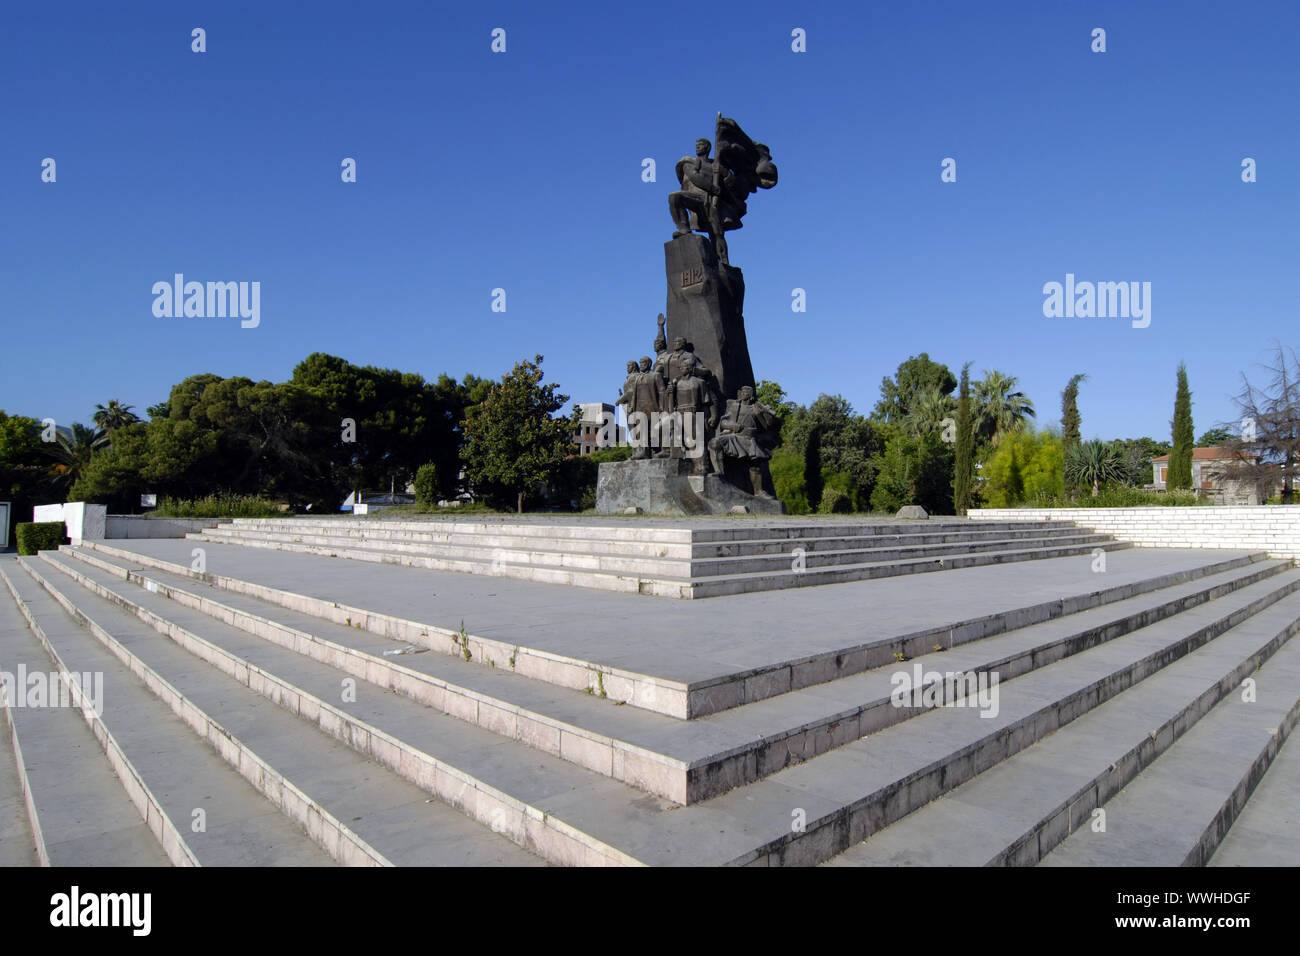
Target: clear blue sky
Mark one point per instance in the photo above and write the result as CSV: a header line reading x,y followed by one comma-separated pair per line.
x,y
522,171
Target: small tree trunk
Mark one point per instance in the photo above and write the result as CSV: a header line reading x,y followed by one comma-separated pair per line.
x,y
521,502
1095,489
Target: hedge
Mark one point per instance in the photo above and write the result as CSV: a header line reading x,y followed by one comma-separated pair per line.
x,y
36,536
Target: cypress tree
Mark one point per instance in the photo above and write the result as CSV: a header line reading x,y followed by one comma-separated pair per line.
x,y
1180,458
812,468
1070,421
964,466
1015,480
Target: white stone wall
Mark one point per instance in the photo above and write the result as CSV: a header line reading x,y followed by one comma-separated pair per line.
x,y
1271,528
144,526
81,521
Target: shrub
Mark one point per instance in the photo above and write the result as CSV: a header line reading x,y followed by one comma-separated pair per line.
x,y
847,494
834,502
616,453
219,506
36,536
1122,496
789,480
426,485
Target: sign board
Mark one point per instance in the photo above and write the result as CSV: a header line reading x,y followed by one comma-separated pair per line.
x,y
4,524
148,501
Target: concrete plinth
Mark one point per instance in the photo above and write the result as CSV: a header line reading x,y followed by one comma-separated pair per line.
x,y
666,486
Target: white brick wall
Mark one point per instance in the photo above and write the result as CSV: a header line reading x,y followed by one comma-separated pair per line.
x,y
1271,528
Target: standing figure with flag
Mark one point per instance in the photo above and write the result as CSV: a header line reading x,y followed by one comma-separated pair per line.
x,y
713,193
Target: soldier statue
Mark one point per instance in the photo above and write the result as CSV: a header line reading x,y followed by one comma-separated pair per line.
x,y
748,431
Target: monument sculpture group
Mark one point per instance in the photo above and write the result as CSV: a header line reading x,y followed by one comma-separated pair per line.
x,y
701,439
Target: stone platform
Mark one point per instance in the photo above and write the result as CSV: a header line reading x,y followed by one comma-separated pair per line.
x,y
667,557
667,486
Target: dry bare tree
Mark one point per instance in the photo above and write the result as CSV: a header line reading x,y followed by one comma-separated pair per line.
x,y
1268,436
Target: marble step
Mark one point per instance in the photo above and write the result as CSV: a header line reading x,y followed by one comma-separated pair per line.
x,y
1019,812
830,796
687,547
19,845
355,809
681,762
218,816
641,530
774,556
1178,810
674,579
1267,831
649,664
82,813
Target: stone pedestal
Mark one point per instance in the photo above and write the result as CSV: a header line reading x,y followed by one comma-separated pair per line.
x,y
667,486
706,301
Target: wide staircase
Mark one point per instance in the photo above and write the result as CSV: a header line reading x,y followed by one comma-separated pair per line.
x,y
1137,716
708,559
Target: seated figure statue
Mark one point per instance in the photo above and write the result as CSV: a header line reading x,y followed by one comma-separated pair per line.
x,y
748,431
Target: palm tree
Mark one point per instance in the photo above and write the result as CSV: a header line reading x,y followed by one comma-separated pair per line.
x,y
1001,409
71,451
114,415
1094,461
929,408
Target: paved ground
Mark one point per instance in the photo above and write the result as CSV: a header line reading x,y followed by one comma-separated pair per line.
x,y
680,640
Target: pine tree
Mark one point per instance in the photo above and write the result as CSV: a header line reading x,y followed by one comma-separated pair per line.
x,y
964,467
1070,420
1180,458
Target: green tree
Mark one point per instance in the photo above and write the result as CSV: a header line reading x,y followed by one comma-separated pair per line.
x,y
374,427
115,475
108,418
1136,454
72,450
1015,481
914,470
845,443
788,478
1094,463
812,466
513,444
25,477
1026,467
1070,418
1180,457
774,397
963,478
1001,408
913,376
929,409
426,485
1215,437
